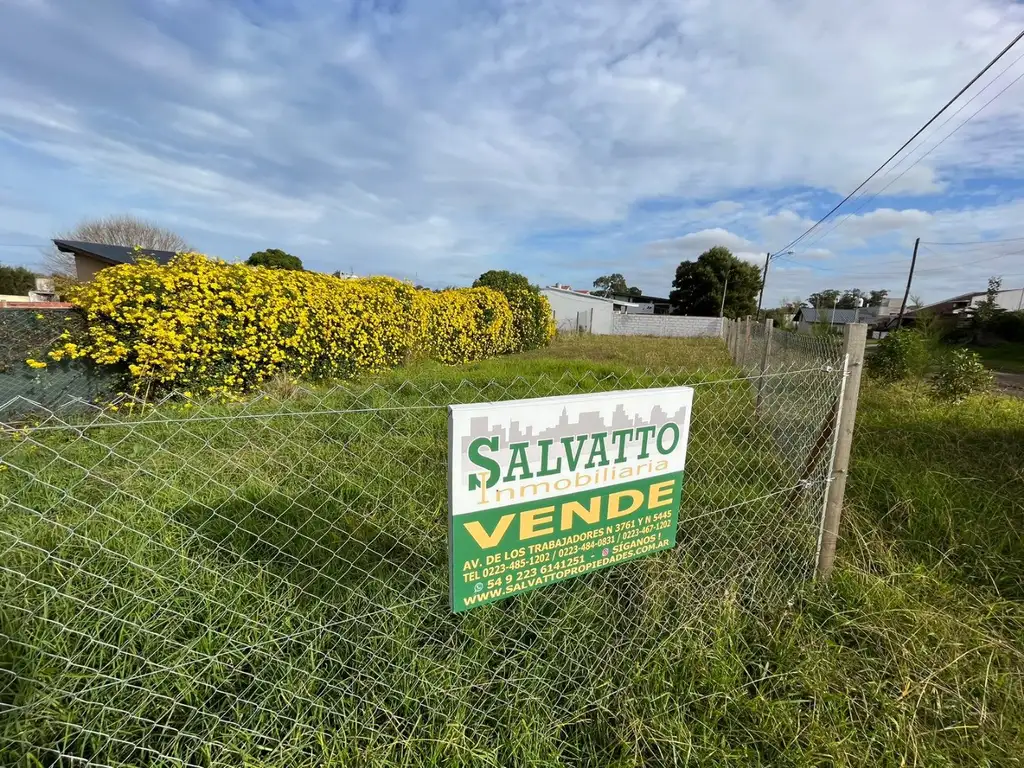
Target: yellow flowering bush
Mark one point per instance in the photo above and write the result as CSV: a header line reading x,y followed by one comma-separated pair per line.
x,y
465,324
215,328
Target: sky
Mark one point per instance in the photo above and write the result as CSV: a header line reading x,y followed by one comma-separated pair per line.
x,y
432,140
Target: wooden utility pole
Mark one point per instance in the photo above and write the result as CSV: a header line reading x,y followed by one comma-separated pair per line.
x,y
764,279
910,277
855,338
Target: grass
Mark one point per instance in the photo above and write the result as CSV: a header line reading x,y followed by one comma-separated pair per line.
x,y
271,591
1005,356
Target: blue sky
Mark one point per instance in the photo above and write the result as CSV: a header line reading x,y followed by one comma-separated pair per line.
x,y
434,139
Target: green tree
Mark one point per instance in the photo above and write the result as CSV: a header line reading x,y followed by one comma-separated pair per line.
x,y
875,298
824,299
699,285
849,299
16,281
615,285
274,258
504,281
988,308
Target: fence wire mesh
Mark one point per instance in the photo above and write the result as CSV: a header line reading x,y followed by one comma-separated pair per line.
x,y
265,583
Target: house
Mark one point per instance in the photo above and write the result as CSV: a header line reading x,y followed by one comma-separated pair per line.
x,y
581,311
963,306
90,258
807,317
644,305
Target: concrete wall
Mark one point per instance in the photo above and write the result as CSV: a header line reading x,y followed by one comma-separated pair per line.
x,y
566,304
665,325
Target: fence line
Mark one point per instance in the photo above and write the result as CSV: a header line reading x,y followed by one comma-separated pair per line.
x,y
199,583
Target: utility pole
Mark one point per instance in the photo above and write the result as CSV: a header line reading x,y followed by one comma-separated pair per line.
x,y
910,277
764,279
725,289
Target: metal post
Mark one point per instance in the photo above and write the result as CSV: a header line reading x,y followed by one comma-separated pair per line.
x,y
854,340
769,325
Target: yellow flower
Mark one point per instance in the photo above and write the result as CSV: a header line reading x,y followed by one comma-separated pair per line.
x,y
35,363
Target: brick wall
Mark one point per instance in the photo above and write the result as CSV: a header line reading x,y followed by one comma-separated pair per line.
x,y
665,325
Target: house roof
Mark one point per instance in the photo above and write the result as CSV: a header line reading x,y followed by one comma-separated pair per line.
x,y
580,294
835,316
111,254
642,299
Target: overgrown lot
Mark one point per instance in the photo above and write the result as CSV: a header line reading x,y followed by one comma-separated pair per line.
x,y
265,585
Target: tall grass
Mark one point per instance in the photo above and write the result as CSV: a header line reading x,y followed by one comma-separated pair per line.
x,y
202,590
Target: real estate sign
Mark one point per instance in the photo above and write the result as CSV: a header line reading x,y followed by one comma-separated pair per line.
x,y
547,489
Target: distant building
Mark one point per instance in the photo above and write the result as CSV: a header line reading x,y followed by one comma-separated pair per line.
x,y
581,311
644,305
962,307
90,258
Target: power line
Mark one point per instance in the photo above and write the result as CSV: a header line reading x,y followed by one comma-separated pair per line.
x,y
974,242
907,143
942,141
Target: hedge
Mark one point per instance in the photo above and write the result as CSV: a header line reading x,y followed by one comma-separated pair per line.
x,y
200,325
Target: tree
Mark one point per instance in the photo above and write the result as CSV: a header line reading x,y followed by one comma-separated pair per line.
x,y
824,299
274,258
504,281
16,281
699,285
125,229
876,298
615,285
988,309
849,299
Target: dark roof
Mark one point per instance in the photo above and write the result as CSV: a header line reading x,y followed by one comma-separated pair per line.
x,y
836,316
643,299
111,254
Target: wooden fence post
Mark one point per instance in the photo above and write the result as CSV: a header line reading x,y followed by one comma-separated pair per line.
x,y
854,341
769,325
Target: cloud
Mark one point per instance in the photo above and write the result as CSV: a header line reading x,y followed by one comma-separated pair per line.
x,y
695,243
439,139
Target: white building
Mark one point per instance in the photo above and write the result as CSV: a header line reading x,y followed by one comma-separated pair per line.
x,y
575,311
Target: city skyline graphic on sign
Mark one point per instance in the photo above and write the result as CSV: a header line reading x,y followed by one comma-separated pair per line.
x,y
588,422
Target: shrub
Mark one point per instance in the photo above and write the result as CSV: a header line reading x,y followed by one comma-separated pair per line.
x,y
1009,326
533,321
204,326
901,355
961,374
464,324
16,281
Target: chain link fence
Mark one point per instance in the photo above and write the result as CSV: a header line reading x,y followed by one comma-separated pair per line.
x,y
265,583
28,377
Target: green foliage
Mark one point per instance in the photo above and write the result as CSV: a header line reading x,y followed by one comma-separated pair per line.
x,y
274,258
294,611
961,374
846,299
533,324
824,299
901,355
875,298
699,285
988,309
504,281
16,281
1009,326
615,285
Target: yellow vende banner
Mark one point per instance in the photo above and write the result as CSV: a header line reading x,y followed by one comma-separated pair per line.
x,y
547,489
